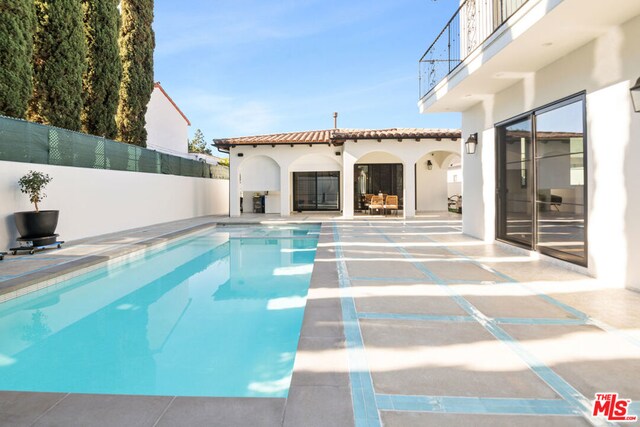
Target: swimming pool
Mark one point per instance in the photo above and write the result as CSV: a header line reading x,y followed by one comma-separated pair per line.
x,y
217,314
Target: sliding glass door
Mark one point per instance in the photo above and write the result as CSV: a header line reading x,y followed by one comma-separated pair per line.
x,y
316,191
375,178
541,158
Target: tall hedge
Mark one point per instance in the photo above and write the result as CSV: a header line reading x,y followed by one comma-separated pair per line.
x,y
136,52
101,79
59,54
16,51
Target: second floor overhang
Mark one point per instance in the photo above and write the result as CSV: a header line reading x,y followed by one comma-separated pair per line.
x,y
537,34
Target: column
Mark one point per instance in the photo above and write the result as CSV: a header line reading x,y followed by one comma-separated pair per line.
x,y
234,186
409,188
285,191
348,162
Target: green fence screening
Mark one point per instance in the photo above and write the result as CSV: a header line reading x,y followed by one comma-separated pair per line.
x,y
27,142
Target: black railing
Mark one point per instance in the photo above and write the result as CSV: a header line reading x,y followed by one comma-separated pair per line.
x,y
468,28
27,142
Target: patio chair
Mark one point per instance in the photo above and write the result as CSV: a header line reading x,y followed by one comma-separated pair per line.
x,y
377,202
391,204
367,201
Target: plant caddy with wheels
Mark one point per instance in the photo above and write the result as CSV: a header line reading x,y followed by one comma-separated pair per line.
x,y
37,228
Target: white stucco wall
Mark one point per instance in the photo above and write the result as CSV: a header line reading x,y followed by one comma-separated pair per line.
x,y
167,129
432,188
260,173
323,158
605,68
96,201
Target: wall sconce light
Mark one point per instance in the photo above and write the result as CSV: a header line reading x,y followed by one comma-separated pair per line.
x,y
635,96
429,165
471,143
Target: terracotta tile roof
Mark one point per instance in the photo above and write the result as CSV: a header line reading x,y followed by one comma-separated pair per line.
x,y
308,137
337,136
396,133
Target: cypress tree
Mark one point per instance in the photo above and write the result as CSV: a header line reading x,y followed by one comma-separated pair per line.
x,y
136,52
101,79
16,55
59,53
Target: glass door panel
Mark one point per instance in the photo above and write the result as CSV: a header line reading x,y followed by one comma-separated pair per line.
x,y
515,187
560,196
327,190
304,191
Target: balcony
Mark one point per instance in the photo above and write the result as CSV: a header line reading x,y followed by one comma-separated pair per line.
x,y
470,26
490,45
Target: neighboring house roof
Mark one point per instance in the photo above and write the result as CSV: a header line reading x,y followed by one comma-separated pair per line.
x,y
337,136
159,86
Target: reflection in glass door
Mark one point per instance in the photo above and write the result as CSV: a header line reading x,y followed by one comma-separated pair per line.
x,y
560,195
516,183
543,155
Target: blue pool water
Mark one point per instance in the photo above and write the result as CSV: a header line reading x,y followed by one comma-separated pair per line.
x,y
218,314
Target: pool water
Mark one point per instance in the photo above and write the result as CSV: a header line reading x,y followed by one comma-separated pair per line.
x,y
218,314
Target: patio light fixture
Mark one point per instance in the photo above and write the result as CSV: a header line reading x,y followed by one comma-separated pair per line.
x,y
635,96
471,143
429,165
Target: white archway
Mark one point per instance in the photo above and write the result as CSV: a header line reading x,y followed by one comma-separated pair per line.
x,y
378,171
432,187
260,184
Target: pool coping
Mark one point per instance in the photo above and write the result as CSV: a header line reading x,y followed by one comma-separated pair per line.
x,y
49,276
320,390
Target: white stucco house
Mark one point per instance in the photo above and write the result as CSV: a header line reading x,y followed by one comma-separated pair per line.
x,y
167,126
335,170
544,90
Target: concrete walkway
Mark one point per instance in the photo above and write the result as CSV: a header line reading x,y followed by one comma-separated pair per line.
x,y
444,330
407,323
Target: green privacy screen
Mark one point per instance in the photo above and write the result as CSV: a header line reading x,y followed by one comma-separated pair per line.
x,y
26,142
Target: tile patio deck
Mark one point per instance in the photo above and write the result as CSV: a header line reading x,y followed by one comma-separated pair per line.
x,y
408,323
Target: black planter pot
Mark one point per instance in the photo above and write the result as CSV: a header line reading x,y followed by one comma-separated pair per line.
x,y
36,224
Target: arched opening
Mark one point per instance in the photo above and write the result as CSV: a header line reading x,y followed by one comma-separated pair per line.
x,y
378,173
316,183
260,185
439,182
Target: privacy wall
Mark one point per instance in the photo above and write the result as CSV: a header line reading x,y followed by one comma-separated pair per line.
x,y
98,201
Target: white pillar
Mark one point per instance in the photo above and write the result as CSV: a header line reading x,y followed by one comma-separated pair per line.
x,y
348,162
409,189
234,186
285,191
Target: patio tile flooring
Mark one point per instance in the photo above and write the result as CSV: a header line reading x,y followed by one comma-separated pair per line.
x,y
483,335
408,323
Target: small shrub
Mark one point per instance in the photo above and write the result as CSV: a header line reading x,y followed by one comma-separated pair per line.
x,y
33,185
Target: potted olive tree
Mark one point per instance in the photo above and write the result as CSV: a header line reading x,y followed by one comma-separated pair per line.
x,y
38,225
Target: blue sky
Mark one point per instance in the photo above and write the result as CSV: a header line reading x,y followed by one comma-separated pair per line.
x,y
244,67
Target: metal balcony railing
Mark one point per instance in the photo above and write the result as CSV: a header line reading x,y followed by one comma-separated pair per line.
x,y
468,28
